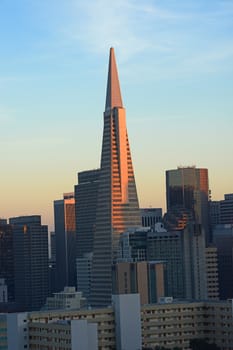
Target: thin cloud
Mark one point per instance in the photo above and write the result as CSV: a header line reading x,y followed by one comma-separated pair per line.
x,y
175,37
121,24
210,61
6,115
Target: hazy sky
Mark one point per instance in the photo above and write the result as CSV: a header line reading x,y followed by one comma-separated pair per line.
x,y
175,63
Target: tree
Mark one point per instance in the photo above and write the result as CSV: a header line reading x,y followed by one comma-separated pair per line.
x,y
202,344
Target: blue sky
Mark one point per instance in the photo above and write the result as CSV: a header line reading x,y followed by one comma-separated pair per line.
x,y
175,62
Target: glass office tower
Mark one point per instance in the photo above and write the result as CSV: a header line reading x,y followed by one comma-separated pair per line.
x,y
187,191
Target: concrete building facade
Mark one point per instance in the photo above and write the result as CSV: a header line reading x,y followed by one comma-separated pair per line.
x,y
125,325
182,252
145,278
67,299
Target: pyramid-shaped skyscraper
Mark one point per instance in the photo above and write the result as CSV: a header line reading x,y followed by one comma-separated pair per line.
x,y
117,202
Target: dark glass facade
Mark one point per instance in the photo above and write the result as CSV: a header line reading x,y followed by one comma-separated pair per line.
x,y
187,192
30,261
64,220
85,208
7,258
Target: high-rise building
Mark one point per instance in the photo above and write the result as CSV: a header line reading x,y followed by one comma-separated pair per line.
x,y
86,193
195,262
7,258
133,245
69,298
226,209
3,291
64,220
151,216
221,212
30,261
52,263
117,202
84,274
144,277
168,247
223,240
187,191
182,252
212,275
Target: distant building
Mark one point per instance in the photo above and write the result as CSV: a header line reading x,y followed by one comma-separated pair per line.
x,y
52,246
30,261
84,274
7,258
145,278
214,213
3,292
168,246
64,220
3,332
17,331
187,192
52,263
67,299
212,275
133,245
86,192
183,253
226,209
150,216
223,240
221,212
195,262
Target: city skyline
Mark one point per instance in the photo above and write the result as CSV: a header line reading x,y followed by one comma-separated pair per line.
x,y
176,73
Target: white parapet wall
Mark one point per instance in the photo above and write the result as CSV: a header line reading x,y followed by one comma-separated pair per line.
x,y
17,331
128,321
83,335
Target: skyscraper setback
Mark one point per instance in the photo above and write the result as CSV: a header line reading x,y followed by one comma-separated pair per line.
x,y
117,202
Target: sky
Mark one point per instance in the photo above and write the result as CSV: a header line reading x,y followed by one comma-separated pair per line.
x,y
175,64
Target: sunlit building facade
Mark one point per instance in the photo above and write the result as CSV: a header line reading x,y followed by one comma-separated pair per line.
x,y
117,203
124,325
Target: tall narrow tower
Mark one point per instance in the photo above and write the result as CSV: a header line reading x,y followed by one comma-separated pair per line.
x,y
117,203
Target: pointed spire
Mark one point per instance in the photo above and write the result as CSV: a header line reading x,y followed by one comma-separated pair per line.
x,y
113,96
